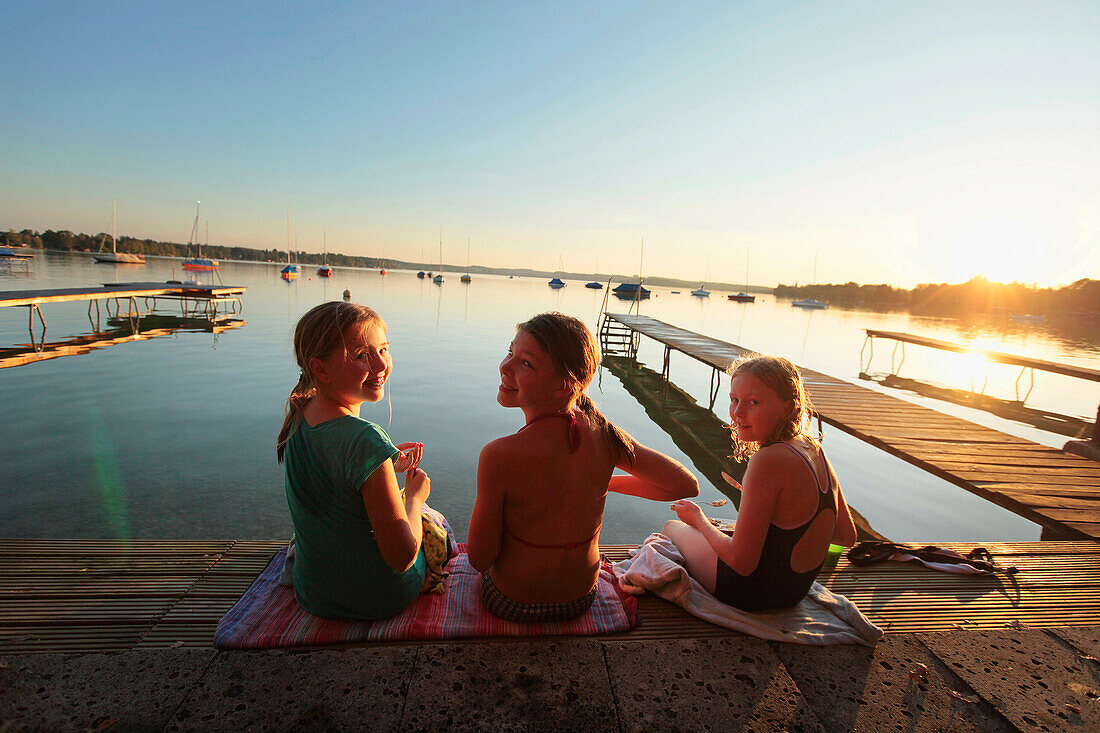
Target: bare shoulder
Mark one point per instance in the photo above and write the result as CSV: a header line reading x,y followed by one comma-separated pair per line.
x,y
772,457
507,449
499,448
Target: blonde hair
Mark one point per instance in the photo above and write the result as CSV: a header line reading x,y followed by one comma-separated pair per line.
x,y
319,333
783,378
573,351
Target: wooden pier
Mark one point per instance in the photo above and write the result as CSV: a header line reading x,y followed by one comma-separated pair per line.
x,y
1057,490
114,595
107,291
211,302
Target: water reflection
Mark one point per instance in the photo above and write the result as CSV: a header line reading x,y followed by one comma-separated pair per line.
x,y
119,329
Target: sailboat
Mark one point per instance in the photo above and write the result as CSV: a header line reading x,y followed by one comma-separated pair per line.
x,y
438,279
466,278
198,263
633,291
557,283
701,291
421,273
290,272
811,303
121,258
595,284
383,271
324,270
742,297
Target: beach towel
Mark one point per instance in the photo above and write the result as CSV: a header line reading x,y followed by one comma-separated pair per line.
x,y
267,615
821,618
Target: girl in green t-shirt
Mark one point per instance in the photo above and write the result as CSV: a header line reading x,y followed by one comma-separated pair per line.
x,y
357,535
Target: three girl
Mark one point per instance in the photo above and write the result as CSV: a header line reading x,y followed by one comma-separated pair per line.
x,y
534,532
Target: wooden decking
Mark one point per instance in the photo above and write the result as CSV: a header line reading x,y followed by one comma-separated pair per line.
x,y
112,595
1057,490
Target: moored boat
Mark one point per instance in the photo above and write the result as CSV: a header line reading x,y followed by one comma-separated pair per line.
x,y
742,298
324,270
114,256
630,291
810,303
198,263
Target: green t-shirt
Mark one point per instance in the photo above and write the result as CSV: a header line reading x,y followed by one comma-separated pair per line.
x,y
338,569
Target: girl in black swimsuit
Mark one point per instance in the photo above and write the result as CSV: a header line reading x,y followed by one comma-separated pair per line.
x,y
791,509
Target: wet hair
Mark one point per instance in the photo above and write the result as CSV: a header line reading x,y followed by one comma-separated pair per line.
x,y
573,351
319,333
782,377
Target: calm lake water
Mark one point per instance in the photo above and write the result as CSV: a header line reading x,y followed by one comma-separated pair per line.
x,y
173,436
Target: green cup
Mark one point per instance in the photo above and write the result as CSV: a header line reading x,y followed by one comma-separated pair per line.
x,y
832,555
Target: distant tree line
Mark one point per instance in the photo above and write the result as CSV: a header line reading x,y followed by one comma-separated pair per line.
x,y
67,241
978,295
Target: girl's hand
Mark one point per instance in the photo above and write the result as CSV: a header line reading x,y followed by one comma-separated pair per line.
x,y
409,458
689,513
417,485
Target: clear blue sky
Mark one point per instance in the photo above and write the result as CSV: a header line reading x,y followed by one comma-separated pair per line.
x,y
897,142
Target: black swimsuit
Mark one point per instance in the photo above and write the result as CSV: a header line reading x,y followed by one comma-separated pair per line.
x,y
773,584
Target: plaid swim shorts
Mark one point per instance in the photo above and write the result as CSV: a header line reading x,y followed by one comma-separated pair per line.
x,y
504,607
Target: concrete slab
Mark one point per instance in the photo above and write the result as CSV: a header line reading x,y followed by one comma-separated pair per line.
x,y
1085,638
537,685
705,684
341,689
1031,678
137,690
855,688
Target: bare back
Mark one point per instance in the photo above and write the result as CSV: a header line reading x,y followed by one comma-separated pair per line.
x,y
551,507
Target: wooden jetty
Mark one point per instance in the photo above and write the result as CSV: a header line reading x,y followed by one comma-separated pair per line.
x,y
213,302
113,595
997,357
118,290
1059,491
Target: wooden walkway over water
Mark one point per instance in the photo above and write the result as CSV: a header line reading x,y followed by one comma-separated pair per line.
x,y
9,298
113,595
1057,490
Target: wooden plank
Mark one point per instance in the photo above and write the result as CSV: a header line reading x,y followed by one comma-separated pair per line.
x,y
1057,584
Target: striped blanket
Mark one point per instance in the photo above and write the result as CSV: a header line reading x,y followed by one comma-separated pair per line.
x,y
267,615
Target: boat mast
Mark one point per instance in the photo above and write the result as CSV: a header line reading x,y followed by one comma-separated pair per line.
x,y
114,209
194,238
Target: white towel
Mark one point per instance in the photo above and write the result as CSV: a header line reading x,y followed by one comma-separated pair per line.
x,y
822,617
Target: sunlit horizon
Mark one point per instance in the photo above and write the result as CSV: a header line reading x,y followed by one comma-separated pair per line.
x,y
890,143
